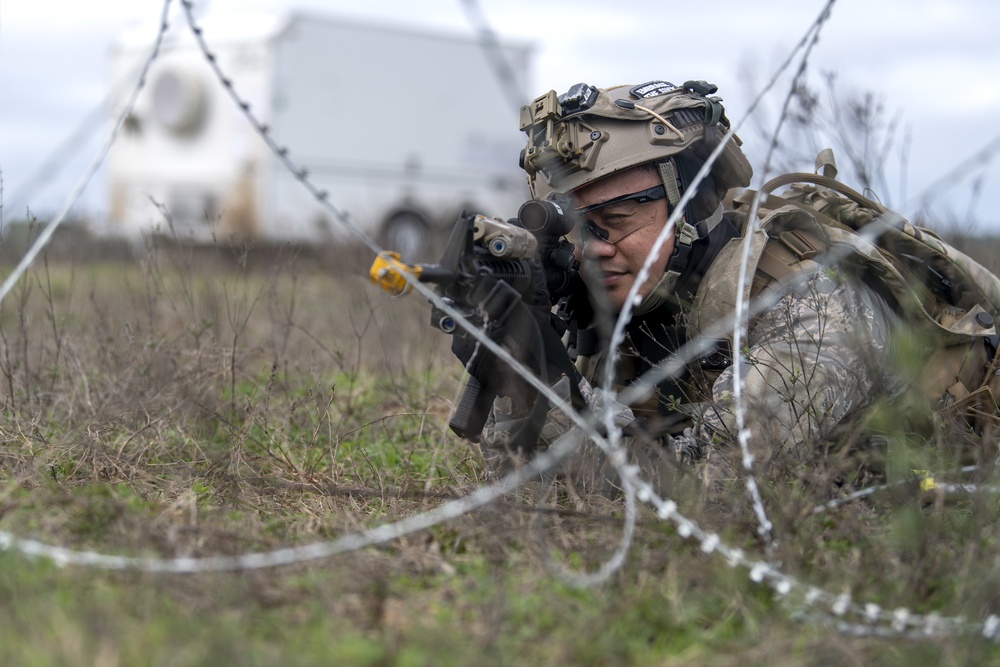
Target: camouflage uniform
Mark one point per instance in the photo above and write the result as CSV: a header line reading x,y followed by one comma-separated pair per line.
x,y
819,355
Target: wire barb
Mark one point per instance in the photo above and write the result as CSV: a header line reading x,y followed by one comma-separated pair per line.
x,y
839,610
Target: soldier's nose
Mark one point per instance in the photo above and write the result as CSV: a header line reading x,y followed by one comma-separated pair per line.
x,y
597,249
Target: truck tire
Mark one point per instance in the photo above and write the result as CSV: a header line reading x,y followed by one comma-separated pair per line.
x,y
409,234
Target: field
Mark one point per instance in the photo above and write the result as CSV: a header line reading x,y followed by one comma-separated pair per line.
x,y
173,402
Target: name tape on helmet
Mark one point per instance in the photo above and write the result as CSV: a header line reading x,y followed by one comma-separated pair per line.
x,y
651,89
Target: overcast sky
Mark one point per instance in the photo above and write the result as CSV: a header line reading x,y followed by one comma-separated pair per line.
x,y
935,64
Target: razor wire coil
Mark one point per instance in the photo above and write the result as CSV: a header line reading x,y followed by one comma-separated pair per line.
x,y
98,159
839,610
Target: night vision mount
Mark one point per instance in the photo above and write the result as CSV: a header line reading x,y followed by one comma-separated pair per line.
x,y
557,147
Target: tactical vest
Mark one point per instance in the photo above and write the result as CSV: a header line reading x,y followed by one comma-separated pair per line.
x,y
942,293
935,288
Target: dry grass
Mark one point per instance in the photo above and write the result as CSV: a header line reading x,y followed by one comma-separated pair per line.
x,y
181,402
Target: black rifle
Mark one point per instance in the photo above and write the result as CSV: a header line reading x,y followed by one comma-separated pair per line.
x,y
504,277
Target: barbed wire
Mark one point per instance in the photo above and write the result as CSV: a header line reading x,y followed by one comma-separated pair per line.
x,y
742,432
759,571
61,155
283,555
388,532
900,622
494,54
321,196
632,299
869,617
263,130
839,610
924,482
50,228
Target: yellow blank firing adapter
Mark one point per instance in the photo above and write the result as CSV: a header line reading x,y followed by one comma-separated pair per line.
x,y
389,272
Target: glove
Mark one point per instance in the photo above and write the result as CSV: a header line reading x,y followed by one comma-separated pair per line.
x,y
599,400
492,373
687,446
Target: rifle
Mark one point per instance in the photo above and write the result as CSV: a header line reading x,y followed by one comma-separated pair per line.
x,y
505,277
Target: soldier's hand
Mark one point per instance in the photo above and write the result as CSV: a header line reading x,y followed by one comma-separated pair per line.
x,y
487,368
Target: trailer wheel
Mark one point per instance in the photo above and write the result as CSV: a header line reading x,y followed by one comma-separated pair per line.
x,y
409,234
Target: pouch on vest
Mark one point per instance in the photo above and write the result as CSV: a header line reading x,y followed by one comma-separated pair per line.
x,y
935,287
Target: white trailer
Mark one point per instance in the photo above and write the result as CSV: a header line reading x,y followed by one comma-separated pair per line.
x,y
403,129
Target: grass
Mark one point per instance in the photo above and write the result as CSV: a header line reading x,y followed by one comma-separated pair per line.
x,y
211,402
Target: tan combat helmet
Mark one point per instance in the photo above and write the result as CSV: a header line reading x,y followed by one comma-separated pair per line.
x,y
589,133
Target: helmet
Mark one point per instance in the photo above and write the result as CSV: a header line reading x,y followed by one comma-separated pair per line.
x,y
588,133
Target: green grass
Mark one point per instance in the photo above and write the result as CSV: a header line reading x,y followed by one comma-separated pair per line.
x,y
178,405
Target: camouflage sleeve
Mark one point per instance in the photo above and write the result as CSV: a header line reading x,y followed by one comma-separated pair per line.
x,y
497,439
820,353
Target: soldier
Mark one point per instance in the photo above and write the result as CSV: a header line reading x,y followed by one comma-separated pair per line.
x,y
820,353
